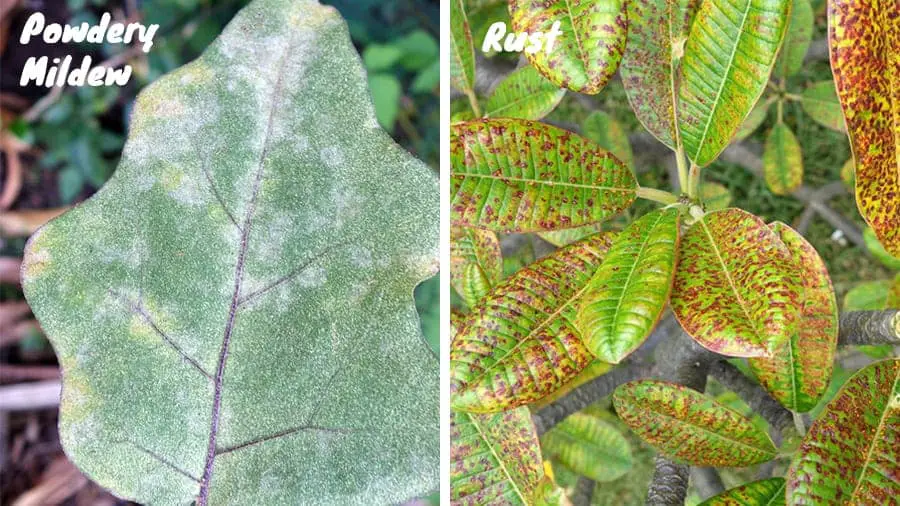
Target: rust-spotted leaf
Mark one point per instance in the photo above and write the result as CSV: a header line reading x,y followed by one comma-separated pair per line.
x,y
462,53
566,236
782,160
850,454
728,57
589,446
628,293
525,94
587,53
603,129
593,370
688,426
799,371
475,262
512,175
735,291
820,101
864,40
649,71
519,343
768,492
494,459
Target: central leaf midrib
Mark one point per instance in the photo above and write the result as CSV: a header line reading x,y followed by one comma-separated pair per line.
x,y
543,182
500,462
203,495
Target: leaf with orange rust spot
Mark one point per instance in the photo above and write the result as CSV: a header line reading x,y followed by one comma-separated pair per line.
x,y
512,175
475,262
850,454
519,343
799,371
769,492
727,61
864,40
494,459
649,72
587,53
735,290
462,53
686,425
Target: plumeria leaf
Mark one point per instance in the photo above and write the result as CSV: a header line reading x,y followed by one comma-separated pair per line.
x,y
769,492
782,160
593,370
727,62
848,173
820,101
714,196
519,343
796,41
476,264
548,493
494,459
753,120
588,446
799,371
850,454
587,53
603,129
649,71
234,308
868,296
864,40
878,251
628,293
566,236
512,175
462,51
686,425
735,291
525,94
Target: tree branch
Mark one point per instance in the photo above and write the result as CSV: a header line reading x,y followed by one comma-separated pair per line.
x,y
669,485
707,481
869,327
584,491
753,394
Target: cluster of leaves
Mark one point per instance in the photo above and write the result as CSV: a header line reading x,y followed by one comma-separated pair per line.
x,y
741,288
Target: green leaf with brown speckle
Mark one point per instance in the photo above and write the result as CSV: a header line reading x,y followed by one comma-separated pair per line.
x,y
782,160
476,264
769,492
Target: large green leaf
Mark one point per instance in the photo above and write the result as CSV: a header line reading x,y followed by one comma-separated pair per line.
x,y
796,40
820,101
727,61
588,52
799,371
603,129
520,343
689,426
525,94
735,290
782,160
769,492
867,296
864,41
514,175
850,454
628,293
476,264
462,52
656,28
588,446
494,459
233,311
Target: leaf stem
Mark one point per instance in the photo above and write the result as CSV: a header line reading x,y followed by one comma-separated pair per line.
x,y
780,111
681,161
661,196
473,102
693,181
798,423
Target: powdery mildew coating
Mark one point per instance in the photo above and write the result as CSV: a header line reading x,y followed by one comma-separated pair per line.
x,y
511,175
735,290
799,371
864,39
494,459
850,454
519,343
233,311
649,72
690,426
629,291
588,52
728,57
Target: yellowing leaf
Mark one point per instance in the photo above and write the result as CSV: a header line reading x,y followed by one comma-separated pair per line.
x,y
519,343
782,160
462,52
628,293
735,291
768,492
864,39
714,196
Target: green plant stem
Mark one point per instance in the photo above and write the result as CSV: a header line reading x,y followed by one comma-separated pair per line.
x,y
681,161
661,196
693,186
473,102
780,110
793,96
798,423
